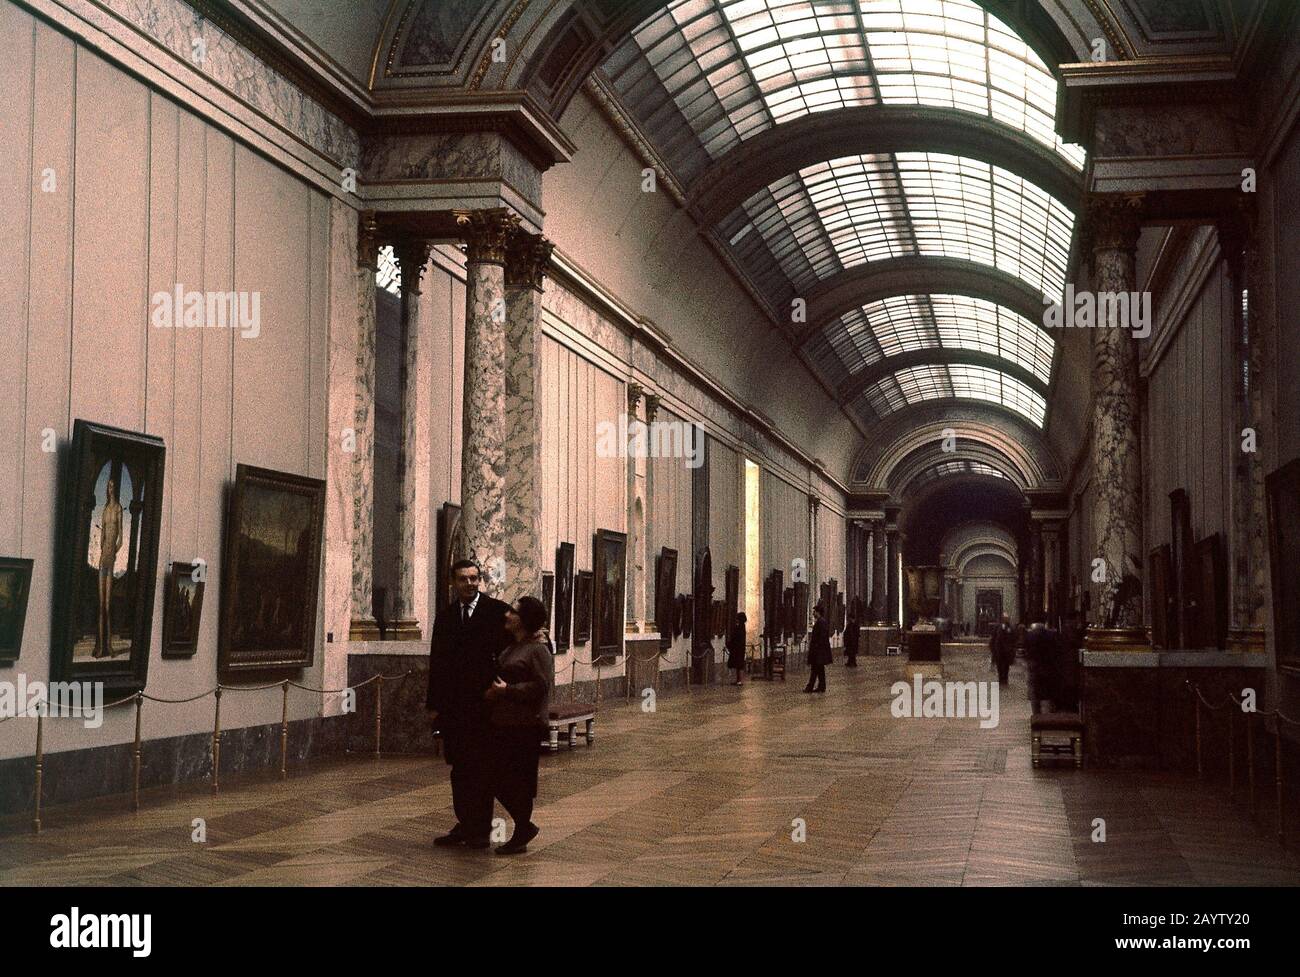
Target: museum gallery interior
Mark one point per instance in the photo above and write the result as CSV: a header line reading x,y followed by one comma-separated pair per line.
x,y
926,313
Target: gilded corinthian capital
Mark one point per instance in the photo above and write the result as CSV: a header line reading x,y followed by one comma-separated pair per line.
x,y
528,258
486,233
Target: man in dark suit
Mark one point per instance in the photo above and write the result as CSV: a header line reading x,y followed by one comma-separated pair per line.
x,y
1002,644
819,651
468,635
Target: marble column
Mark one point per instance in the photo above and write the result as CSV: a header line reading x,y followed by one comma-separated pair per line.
x,y
814,503
482,533
363,626
414,379
893,577
1114,223
527,258
1051,546
1249,543
1036,606
637,463
647,499
879,569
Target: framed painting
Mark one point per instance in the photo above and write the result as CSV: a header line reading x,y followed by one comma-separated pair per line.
x,y
1212,579
182,610
563,632
610,579
270,580
731,590
448,526
688,615
665,593
1164,608
107,567
548,597
1185,585
582,587
15,588
801,609
1283,490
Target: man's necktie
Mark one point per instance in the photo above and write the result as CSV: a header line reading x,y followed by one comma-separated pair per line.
x,y
464,615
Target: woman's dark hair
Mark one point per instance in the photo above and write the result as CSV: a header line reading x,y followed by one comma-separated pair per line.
x,y
532,613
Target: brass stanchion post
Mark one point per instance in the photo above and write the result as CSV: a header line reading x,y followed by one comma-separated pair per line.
x,y
379,712
1250,762
216,744
40,768
1196,703
135,789
284,731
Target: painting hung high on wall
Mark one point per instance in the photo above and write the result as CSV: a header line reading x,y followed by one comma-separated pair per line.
x,y
107,558
563,596
270,581
182,610
15,586
582,607
1283,490
610,587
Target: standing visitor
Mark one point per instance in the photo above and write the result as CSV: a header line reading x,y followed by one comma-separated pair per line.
x,y
736,647
852,636
819,651
520,700
1002,647
468,635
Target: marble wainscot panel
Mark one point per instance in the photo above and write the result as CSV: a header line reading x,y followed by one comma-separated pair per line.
x,y
78,775
1138,711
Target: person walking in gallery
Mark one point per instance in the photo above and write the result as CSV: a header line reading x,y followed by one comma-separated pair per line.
x,y
736,646
520,698
819,651
852,635
468,634
1002,647
1040,660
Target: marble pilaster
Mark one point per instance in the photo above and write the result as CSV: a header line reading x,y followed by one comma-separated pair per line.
x,y
410,602
879,567
1037,605
527,258
1249,542
1116,458
892,573
482,534
363,433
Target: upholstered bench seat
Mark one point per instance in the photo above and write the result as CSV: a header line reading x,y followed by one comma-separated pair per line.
x,y
569,715
1059,725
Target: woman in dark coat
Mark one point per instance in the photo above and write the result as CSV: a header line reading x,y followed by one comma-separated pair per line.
x,y
819,651
520,702
736,647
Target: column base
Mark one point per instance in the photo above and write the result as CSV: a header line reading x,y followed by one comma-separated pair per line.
x,y
404,630
1246,640
1117,639
363,629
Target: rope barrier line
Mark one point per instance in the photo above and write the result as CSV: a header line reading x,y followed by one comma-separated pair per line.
x,y
1278,782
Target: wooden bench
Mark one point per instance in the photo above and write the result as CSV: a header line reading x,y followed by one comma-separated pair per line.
x,y
1067,723
570,715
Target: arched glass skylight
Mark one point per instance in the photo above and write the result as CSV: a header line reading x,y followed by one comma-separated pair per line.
x,y
947,469
933,381
844,212
904,323
704,75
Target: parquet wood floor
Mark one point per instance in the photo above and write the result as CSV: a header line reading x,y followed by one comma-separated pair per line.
x,y
706,790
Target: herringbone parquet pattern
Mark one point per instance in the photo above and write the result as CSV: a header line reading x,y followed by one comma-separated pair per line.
x,y
707,790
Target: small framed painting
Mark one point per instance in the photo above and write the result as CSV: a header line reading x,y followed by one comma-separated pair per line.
x,y
548,596
15,587
563,585
665,594
182,610
610,572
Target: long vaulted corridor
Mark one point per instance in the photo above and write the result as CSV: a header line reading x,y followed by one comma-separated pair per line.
x,y
705,790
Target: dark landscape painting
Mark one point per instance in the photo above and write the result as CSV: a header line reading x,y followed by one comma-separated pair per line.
x,y
610,587
270,578
15,586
